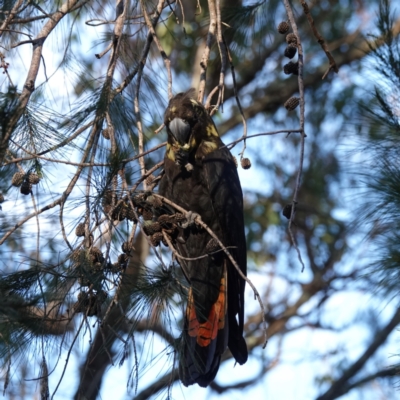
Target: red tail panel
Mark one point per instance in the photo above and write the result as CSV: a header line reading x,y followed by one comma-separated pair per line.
x,y
208,331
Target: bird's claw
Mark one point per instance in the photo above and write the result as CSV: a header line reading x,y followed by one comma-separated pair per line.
x,y
191,218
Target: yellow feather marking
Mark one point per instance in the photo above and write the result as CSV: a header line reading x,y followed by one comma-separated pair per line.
x,y
211,131
206,147
173,109
170,152
193,142
209,146
194,102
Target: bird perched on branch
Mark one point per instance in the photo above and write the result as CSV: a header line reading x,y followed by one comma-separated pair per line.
x,y
200,175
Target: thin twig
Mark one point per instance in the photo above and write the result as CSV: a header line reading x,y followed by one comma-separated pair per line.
x,y
145,51
80,164
13,12
68,356
29,85
288,131
237,99
223,54
172,248
292,21
164,56
206,54
137,92
321,41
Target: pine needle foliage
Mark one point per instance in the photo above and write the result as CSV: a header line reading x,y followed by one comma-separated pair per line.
x,y
249,24
381,212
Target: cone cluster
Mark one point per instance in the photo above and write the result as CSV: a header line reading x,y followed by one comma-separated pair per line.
x,y
90,302
25,181
291,68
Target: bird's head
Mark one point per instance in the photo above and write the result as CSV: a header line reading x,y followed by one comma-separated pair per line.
x,y
188,126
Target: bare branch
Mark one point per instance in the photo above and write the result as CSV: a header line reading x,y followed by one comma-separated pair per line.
x,y
33,71
206,54
341,385
321,41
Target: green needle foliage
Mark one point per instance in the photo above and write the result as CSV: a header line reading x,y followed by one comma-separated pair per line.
x,y
381,211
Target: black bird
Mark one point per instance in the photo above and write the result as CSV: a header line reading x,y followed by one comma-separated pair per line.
x,y
200,175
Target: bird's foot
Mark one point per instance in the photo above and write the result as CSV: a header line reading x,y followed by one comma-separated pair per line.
x,y
191,218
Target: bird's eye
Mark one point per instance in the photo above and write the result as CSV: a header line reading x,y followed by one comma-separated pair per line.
x,y
180,129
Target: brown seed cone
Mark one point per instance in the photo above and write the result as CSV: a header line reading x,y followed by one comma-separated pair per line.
x,y
156,239
123,259
123,212
291,38
82,303
1,198
156,202
290,50
283,27
107,198
245,163
287,211
26,188
126,247
17,179
147,214
164,220
97,267
151,229
291,68
33,178
130,214
80,230
212,246
106,133
172,230
77,256
96,255
116,214
292,103
138,200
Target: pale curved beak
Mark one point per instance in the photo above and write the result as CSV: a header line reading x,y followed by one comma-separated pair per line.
x,y
180,129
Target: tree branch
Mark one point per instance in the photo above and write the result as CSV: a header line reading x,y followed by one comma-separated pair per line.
x,y
29,86
340,386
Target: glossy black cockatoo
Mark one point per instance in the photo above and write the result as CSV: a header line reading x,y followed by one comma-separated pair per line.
x,y
200,175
